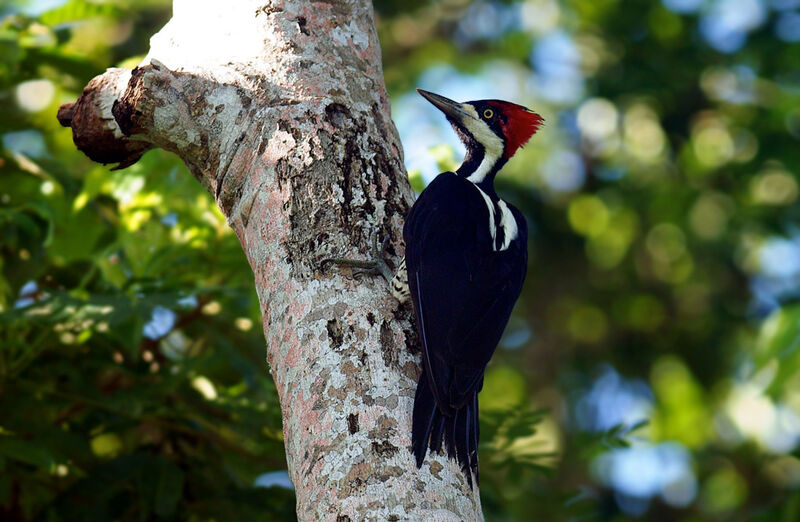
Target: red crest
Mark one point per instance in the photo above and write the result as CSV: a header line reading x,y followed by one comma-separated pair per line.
x,y
519,124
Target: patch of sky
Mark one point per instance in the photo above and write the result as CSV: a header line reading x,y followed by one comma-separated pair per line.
x,y
736,84
765,295
726,23
556,59
782,5
563,171
780,257
160,323
271,479
190,301
26,295
486,21
787,26
29,143
170,220
778,277
607,173
612,401
784,435
683,6
517,333
750,414
568,123
32,7
644,471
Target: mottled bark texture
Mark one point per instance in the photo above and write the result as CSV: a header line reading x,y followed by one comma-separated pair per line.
x,y
279,109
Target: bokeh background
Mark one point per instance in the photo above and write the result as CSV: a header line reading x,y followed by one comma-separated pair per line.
x,y
651,370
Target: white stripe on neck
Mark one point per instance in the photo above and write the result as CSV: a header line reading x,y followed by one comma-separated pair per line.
x,y
490,207
483,169
483,134
508,224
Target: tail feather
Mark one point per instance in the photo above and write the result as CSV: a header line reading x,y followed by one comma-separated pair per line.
x,y
474,437
450,429
437,433
462,436
425,413
458,432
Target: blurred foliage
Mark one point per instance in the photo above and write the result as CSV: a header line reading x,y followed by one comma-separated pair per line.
x,y
132,377
651,369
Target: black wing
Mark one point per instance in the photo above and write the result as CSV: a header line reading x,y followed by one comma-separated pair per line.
x,y
462,290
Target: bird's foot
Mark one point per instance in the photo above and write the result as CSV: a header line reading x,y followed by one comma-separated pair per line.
x,y
376,265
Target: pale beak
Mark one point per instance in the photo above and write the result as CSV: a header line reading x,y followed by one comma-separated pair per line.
x,y
446,105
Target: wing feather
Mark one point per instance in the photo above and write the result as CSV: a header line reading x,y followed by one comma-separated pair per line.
x,y
462,290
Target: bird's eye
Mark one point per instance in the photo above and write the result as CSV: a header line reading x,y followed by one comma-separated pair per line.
x,y
488,113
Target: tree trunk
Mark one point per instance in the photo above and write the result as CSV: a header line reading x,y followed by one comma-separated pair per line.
x,y
279,109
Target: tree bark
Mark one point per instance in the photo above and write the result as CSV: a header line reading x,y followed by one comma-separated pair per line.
x,y
279,109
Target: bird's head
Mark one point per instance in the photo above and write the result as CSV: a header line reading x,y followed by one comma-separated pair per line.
x,y
491,130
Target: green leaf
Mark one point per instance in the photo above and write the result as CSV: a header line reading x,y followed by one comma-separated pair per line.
x,y
27,451
779,346
169,488
78,10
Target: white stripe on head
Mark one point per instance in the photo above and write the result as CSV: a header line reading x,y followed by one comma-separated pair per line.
x,y
483,134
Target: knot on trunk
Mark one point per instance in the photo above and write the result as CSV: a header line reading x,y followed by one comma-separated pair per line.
x,y
94,129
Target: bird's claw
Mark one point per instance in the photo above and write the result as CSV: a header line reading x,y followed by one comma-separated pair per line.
x,y
379,248
374,266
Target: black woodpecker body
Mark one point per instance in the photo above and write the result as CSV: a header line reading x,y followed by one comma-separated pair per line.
x,y
466,257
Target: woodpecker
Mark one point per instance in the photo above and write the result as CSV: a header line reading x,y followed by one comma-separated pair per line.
x,y
466,258
465,261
